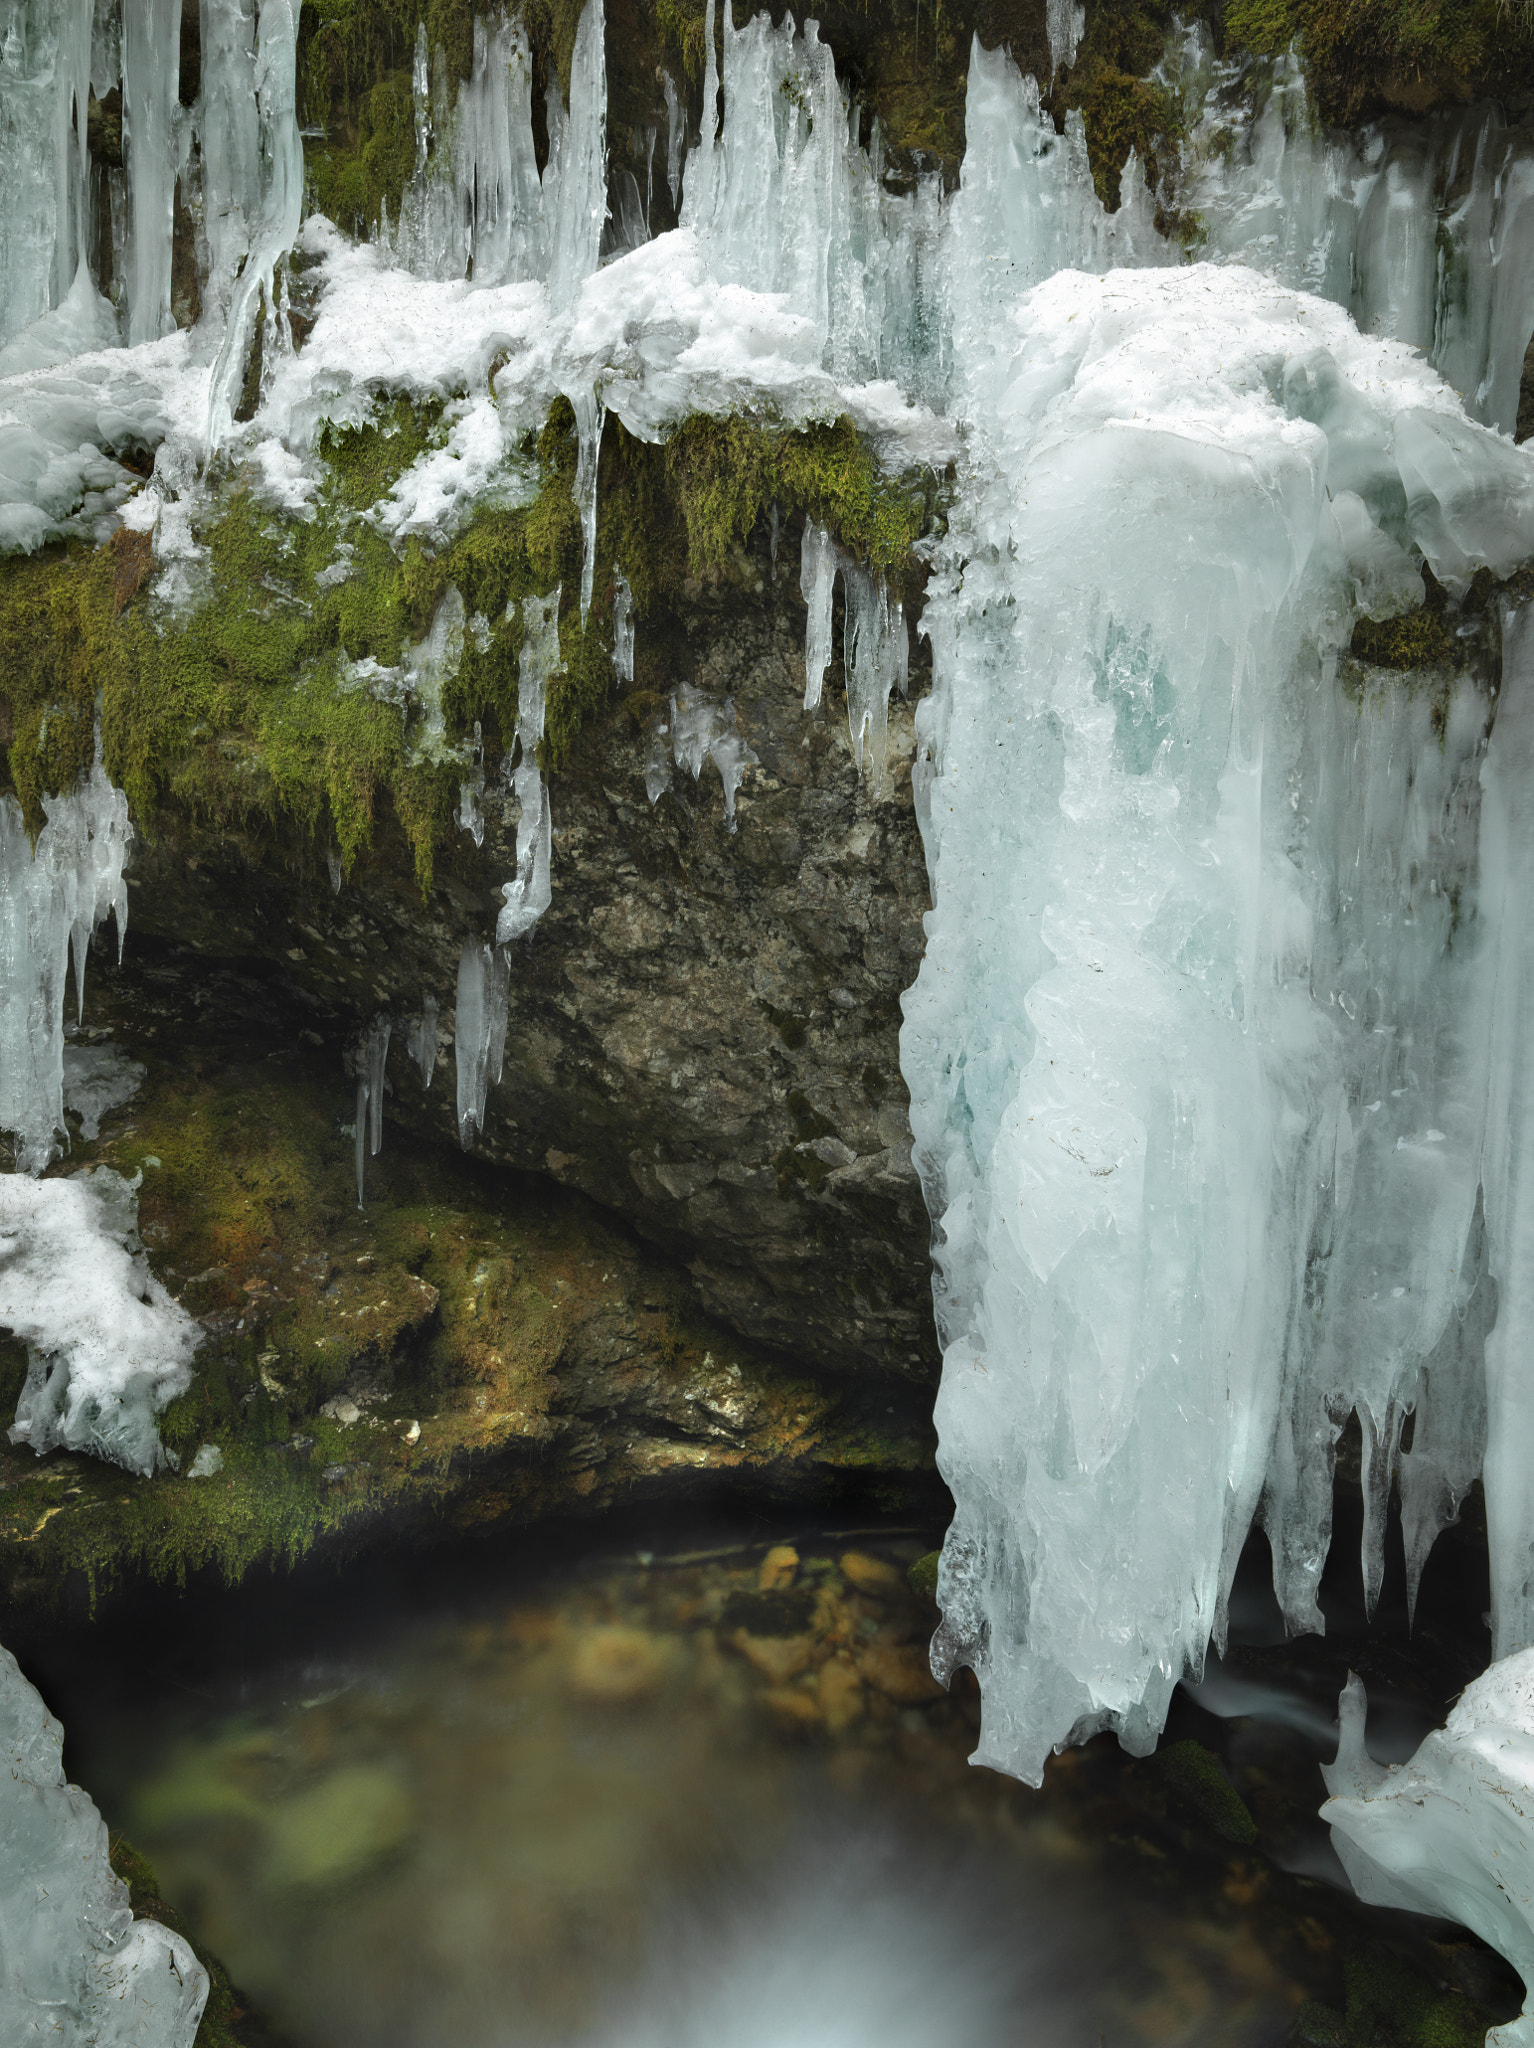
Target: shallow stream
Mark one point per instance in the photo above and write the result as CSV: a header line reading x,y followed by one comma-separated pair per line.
x,y
691,1784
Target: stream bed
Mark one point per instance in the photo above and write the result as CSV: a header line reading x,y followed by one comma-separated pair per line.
x,y
689,1782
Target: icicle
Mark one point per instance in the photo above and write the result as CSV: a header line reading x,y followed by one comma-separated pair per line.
x,y
580,202
231,147
52,898
421,1039
702,728
657,760
623,630
372,1060
151,72
1065,23
872,665
479,1041
817,585
529,894
676,142
275,219
471,818
590,418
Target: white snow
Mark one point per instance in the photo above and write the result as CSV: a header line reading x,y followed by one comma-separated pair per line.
x,y
1451,1831
107,1345
76,1969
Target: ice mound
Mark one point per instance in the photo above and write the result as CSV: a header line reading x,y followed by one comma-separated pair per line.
x,y
1200,1048
107,1345
76,1969
1451,1831
97,1080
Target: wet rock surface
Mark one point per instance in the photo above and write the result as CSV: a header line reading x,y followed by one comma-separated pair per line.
x,y
703,1031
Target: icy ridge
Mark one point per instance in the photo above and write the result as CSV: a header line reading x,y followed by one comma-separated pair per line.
x,y
1449,1832
76,1968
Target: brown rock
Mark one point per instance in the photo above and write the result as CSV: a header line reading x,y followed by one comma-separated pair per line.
x,y
778,1568
841,1695
791,1705
778,1658
901,1674
872,1575
614,1665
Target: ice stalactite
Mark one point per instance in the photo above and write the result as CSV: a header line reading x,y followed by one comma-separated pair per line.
x,y
479,1027
231,147
52,898
78,1968
528,894
877,658
1424,231
1448,1832
475,206
702,728
590,418
273,214
372,1057
875,643
676,142
817,585
1065,23
1507,869
421,1039
784,200
151,70
623,630
1198,1092
44,225
580,198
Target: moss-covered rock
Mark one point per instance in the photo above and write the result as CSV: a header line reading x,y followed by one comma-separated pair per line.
x,y
227,2020
1196,1774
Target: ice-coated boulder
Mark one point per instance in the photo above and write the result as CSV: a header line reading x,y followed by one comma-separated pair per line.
x,y
1451,1831
76,1969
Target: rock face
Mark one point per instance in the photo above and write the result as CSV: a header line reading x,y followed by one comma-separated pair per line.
x,y
702,1028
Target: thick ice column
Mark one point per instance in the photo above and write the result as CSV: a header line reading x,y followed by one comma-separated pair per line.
x,y
151,74
232,180
529,894
274,223
479,1031
51,896
580,201
44,164
1449,1832
1507,877
76,1968
1197,1088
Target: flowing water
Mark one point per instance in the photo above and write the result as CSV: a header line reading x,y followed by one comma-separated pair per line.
x,y
699,1789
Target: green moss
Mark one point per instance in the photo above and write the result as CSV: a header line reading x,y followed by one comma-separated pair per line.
x,y
1363,55
1195,1772
1392,2004
1265,27
922,1577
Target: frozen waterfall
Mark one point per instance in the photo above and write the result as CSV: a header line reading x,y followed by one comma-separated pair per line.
x,y
1204,1042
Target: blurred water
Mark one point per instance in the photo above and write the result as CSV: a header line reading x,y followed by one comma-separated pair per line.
x,y
688,1798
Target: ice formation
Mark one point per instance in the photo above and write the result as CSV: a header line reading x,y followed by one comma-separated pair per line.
x,y
1451,1831
1199,1055
52,899
107,1345
372,1059
76,1969
1216,1057
97,1080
